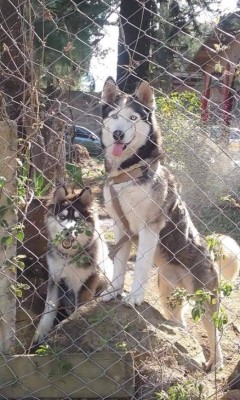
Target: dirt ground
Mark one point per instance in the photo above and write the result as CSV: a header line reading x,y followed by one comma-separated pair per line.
x,y
214,382
159,369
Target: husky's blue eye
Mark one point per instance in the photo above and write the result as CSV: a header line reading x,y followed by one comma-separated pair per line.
x,y
62,217
133,118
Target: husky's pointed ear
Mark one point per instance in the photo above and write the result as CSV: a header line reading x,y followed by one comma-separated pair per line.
x,y
110,91
145,95
86,197
60,194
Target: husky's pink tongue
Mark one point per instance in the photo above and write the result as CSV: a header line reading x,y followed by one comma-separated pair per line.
x,y
117,149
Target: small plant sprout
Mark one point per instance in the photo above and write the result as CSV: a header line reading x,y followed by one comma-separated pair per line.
x,y
178,296
187,390
17,288
43,350
215,246
198,302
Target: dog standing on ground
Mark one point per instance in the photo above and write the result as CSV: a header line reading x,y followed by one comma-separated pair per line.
x,y
143,198
77,256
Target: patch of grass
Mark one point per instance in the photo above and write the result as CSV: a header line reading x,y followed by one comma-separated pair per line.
x,y
224,220
63,368
188,390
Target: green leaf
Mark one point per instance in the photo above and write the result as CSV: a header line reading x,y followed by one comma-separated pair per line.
x,y
85,259
18,288
20,236
21,265
2,181
43,350
75,173
196,314
7,240
220,319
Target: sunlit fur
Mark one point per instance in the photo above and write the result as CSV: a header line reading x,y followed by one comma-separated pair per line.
x,y
228,258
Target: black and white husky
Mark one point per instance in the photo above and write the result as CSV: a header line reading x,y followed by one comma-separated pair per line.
x,y
143,198
77,256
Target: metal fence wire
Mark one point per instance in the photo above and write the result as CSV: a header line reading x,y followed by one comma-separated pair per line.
x,y
101,250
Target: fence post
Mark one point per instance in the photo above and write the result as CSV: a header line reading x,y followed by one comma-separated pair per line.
x,y
8,219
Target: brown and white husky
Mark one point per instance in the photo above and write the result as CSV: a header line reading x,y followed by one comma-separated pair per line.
x,y
77,256
143,198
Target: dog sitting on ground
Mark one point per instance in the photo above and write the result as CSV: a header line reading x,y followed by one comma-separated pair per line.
x,y
143,198
77,255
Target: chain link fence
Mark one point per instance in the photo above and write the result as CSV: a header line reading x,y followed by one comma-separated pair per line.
x,y
59,337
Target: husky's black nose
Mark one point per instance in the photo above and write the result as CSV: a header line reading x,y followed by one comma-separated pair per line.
x,y
118,135
67,233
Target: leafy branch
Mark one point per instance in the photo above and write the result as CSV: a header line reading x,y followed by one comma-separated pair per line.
x,y
199,301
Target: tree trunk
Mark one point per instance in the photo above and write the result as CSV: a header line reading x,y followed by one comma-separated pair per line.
x,y
19,84
134,43
55,155
14,64
8,219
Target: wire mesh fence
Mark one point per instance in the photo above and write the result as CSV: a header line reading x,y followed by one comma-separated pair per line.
x,y
119,202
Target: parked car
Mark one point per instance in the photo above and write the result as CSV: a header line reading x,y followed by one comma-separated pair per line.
x,y
86,138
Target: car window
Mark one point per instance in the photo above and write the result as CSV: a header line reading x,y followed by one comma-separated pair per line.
x,y
85,134
93,137
82,134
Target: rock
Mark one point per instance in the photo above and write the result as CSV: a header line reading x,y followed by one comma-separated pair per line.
x,y
231,395
142,331
234,378
80,154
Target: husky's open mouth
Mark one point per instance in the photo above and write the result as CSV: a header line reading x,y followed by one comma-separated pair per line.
x,y
67,243
119,147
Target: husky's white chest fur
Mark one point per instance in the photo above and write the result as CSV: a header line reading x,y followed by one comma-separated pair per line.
x,y
62,268
136,199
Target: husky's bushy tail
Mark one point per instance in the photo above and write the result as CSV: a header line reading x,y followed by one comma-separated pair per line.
x,y
228,257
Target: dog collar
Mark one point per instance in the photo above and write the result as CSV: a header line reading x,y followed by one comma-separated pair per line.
x,y
133,174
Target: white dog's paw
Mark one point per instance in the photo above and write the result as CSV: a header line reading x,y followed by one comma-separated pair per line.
x,y
39,336
134,298
43,328
111,293
213,365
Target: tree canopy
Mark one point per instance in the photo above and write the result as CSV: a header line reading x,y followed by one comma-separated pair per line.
x,y
157,36
67,34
